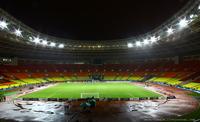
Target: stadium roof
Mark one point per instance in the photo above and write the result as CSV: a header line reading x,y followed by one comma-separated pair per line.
x,y
89,20
178,35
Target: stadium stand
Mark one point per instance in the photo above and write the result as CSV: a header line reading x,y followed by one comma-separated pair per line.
x,y
192,85
167,73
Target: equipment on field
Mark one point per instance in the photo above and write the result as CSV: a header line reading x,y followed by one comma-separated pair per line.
x,y
90,103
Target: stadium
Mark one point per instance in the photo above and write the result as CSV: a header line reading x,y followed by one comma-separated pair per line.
x,y
142,77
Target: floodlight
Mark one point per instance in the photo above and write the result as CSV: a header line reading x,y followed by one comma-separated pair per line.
x,y
18,32
199,7
138,43
170,31
129,45
44,42
146,41
3,24
61,46
153,39
157,38
52,44
36,39
191,16
30,38
183,23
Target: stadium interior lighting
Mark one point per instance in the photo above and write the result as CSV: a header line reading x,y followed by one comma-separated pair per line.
x,y
138,43
153,39
157,38
146,41
130,45
61,46
170,31
18,32
191,16
31,39
52,44
44,42
183,23
36,40
3,24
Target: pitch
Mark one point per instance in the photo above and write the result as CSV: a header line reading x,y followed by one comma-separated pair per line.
x,y
98,90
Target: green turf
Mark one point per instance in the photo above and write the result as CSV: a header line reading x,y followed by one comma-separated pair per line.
x,y
105,90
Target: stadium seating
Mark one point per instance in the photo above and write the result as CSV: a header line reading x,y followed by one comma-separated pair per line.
x,y
134,78
162,72
56,79
170,81
192,85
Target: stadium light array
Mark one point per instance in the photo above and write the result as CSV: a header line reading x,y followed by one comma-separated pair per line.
x,y
44,42
129,45
183,23
191,16
3,24
146,42
36,40
157,38
153,39
18,32
138,43
61,46
170,31
52,44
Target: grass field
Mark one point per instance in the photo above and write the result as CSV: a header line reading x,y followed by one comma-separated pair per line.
x,y
104,90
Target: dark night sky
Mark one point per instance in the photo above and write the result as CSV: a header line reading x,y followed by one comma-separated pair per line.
x,y
93,20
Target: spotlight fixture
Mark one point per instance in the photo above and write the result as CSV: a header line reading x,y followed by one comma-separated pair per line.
x,y
18,32
52,44
129,45
36,39
138,43
3,25
44,42
183,23
170,31
146,42
61,46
